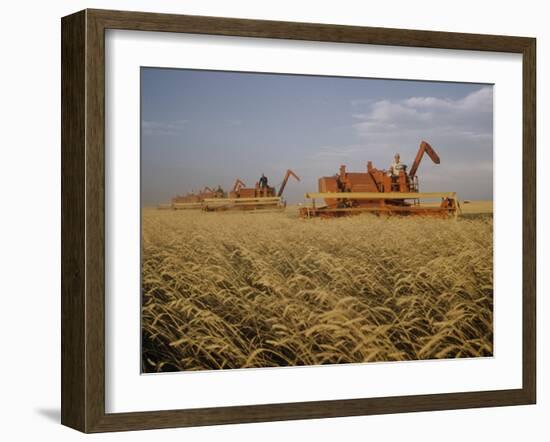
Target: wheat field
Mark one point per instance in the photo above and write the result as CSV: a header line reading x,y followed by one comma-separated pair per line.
x,y
238,290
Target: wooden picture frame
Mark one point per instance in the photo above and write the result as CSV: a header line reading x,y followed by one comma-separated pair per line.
x,y
83,220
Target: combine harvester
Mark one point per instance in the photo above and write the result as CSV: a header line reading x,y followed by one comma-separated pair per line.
x,y
193,200
380,192
260,197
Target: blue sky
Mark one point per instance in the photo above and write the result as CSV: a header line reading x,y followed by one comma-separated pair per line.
x,y
208,127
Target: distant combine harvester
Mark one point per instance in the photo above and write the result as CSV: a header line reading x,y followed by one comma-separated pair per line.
x,y
193,200
261,196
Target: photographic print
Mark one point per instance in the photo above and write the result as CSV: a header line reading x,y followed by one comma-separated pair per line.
x,y
300,220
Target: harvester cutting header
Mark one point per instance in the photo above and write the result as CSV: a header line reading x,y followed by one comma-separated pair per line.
x,y
392,191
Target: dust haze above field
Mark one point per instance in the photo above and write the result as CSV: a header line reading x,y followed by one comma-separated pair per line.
x,y
206,128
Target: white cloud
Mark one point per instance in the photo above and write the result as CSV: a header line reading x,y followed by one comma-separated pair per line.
x,y
460,130
478,101
470,116
362,101
163,127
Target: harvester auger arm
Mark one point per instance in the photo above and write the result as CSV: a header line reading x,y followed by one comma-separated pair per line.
x,y
238,184
285,180
424,148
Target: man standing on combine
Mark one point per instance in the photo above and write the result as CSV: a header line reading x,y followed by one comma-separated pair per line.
x,y
263,184
396,166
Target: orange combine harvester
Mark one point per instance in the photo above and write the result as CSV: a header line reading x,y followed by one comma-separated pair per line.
x,y
393,191
193,200
261,196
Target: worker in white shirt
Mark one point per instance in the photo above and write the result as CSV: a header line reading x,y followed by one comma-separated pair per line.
x,y
396,166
